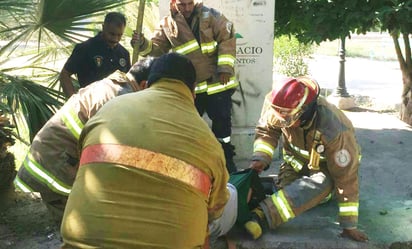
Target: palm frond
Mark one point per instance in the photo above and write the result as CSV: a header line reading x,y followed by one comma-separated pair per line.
x,y
55,20
35,103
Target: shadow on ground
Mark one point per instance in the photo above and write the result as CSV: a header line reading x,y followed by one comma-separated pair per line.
x,y
385,195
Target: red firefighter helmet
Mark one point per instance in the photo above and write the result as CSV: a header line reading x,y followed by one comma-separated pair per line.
x,y
290,97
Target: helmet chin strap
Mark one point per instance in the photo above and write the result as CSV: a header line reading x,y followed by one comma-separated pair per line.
x,y
308,114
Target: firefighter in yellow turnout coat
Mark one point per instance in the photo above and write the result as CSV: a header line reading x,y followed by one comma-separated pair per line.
x,y
155,177
208,39
52,161
320,153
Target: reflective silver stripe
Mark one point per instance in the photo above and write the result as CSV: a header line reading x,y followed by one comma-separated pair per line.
x,y
205,14
22,185
72,122
187,47
209,47
303,153
282,205
201,87
45,177
226,59
296,164
349,209
260,146
225,139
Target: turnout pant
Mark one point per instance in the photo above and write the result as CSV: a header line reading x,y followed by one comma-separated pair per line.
x,y
297,192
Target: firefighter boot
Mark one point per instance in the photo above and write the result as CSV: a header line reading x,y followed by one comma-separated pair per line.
x,y
256,224
229,151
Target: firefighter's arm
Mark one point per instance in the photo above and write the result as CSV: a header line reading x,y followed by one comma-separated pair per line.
x,y
266,140
156,46
224,34
343,155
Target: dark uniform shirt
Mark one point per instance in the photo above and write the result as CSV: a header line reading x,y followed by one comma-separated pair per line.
x,y
93,60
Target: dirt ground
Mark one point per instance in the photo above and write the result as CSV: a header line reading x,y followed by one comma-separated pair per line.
x,y
25,223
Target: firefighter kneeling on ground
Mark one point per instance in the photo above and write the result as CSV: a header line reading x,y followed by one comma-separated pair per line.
x,y
320,152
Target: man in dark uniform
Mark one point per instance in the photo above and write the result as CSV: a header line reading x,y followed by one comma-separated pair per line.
x,y
97,57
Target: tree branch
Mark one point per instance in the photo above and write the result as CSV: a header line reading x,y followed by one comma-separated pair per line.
x,y
401,60
408,58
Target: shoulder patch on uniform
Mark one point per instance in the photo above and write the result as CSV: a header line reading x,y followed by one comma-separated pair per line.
x,y
342,158
122,62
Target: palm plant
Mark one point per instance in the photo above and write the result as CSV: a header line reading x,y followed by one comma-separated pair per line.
x,y
36,102
42,32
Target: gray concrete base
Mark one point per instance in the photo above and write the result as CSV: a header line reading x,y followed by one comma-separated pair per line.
x,y
343,103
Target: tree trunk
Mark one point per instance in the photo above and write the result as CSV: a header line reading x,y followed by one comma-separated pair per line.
x,y
7,171
405,64
406,106
7,163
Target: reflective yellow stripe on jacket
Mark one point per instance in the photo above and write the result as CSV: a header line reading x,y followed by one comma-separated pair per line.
x,y
292,161
72,122
261,146
209,47
226,59
187,48
213,88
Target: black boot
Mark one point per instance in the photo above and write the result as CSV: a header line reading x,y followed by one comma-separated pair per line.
x,y
229,151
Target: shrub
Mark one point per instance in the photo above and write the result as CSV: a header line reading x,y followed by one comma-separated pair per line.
x,y
290,56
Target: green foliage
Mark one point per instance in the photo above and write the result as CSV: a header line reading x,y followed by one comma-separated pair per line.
x,y
35,102
320,20
395,16
53,22
290,56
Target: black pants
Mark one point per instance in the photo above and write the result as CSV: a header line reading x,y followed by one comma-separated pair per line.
x,y
218,107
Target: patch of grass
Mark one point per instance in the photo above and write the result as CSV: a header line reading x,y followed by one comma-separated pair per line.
x,y
374,46
19,150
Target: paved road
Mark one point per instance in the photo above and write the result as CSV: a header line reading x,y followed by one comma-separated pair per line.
x,y
381,81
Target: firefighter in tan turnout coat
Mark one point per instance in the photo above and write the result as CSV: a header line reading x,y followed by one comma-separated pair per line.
x,y
52,161
207,38
320,153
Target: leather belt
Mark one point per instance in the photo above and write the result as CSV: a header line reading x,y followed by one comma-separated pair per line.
x,y
147,160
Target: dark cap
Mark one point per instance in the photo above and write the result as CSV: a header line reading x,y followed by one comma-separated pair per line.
x,y
174,66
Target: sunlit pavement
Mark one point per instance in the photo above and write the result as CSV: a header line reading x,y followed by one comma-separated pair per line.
x,y
385,172
385,194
